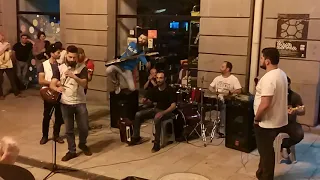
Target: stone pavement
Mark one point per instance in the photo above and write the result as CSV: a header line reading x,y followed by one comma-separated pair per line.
x,y
21,118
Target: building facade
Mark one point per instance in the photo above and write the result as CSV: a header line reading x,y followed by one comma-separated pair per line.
x,y
225,35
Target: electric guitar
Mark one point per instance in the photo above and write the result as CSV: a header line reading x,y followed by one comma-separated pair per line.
x,y
297,108
115,61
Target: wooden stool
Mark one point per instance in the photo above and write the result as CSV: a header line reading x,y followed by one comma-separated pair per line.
x,y
277,149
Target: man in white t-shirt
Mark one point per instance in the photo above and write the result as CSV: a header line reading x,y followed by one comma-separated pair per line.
x,y
225,84
270,107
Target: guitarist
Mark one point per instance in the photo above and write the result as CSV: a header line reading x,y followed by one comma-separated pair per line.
x,y
45,75
125,68
294,129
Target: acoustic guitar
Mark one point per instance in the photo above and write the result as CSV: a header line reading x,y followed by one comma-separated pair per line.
x,y
116,61
49,95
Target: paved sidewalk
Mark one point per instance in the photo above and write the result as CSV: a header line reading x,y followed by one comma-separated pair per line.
x,y
21,118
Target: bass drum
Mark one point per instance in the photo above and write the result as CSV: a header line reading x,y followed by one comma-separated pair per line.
x,y
187,118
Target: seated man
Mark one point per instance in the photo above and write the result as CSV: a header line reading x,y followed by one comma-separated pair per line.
x,y
164,96
294,129
184,74
152,79
224,85
125,68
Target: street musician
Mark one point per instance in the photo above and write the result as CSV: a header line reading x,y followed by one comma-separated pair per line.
x,y
224,85
125,68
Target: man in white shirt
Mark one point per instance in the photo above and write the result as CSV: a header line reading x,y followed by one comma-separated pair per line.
x,y
225,84
270,107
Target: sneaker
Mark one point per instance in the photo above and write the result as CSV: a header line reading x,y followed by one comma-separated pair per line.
x,y
118,89
44,140
58,140
156,148
1,97
85,149
135,141
285,153
69,156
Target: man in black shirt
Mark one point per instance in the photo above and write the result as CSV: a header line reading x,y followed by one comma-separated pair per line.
x,y
294,129
164,97
21,53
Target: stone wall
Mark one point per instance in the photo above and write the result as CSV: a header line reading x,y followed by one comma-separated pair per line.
x,y
304,72
224,36
92,27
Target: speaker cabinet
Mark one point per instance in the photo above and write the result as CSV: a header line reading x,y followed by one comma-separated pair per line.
x,y
239,125
123,105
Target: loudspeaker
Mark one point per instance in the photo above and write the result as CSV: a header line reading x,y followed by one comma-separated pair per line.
x,y
239,125
123,105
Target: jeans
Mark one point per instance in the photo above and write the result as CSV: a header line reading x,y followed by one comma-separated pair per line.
x,y
22,69
11,77
126,74
48,109
148,114
79,113
265,138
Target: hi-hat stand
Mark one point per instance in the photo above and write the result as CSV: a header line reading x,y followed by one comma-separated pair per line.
x,y
54,168
200,112
216,121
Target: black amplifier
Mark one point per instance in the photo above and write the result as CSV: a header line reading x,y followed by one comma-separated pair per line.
x,y
239,124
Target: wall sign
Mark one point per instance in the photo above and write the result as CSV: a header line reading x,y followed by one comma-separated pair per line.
x,y
295,49
293,26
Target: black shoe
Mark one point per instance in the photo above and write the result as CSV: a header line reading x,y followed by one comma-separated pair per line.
x,y
134,141
156,148
85,149
69,156
44,140
58,140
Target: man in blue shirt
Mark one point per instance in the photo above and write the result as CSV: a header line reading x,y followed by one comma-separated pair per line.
x,y
125,68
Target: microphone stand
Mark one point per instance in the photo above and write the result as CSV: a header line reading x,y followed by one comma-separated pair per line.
x,y
54,168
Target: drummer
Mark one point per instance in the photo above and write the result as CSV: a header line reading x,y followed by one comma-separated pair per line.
x,y
224,85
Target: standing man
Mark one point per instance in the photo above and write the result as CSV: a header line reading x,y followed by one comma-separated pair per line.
x,y
125,68
270,107
45,71
225,84
21,53
89,64
7,67
70,81
164,96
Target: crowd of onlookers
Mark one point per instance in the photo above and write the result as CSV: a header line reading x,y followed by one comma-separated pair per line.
x,y
18,60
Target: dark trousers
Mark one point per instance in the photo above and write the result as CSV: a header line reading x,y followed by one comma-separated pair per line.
x,y
11,76
265,138
143,115
47,114
79,113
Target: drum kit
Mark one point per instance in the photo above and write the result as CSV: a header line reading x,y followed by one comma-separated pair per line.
x,y
192,105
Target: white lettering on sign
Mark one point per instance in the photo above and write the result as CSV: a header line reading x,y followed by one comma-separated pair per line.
x,y
286,46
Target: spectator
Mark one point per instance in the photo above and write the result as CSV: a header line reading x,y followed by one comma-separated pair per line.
x,y
89,64
39,47
7,67
21,53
